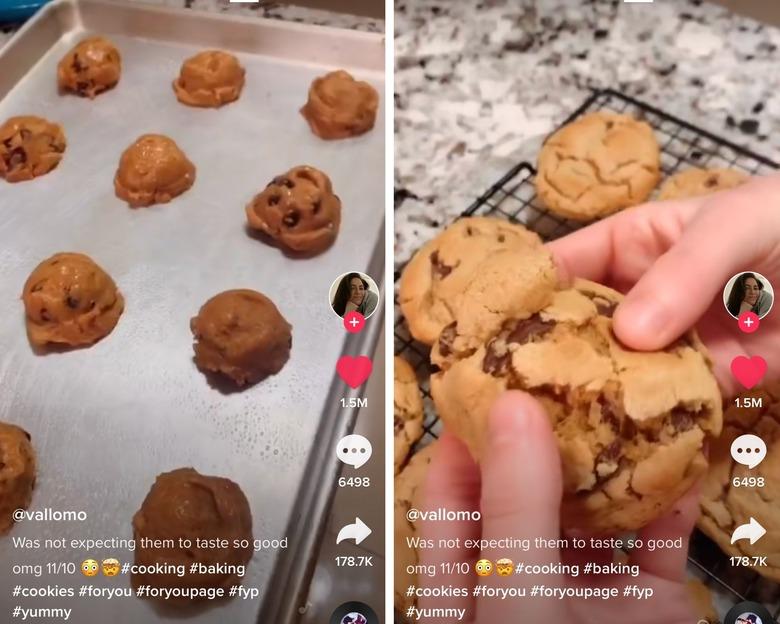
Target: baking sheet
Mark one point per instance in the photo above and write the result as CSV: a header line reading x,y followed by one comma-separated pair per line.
x,y
107,419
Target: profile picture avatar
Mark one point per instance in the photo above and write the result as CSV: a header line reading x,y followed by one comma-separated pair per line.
x,y
748,618
354,292
748,292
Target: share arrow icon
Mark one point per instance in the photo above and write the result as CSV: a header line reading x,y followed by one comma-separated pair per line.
x,y
358,532
752,531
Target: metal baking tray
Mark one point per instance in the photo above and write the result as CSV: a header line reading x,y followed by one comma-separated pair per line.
x,y
107,419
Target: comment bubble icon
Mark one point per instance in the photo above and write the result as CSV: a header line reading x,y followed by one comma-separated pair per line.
x,y
748,450
354,450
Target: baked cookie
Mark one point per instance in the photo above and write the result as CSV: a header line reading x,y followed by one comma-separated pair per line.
x,y
631,425
701,597
408,494
441,270
696,182
209,79
29,147
69,300
298,210
597,165
184,504
90,68
241,335
511,283
153,170
17,473
340,107
407,411
725,507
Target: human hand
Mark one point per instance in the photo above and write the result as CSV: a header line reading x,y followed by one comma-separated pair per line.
x,y
518,489
673,260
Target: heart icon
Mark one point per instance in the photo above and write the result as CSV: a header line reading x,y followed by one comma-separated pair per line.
x,y
748,371
354,370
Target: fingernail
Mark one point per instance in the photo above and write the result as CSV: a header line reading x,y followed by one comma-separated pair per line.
x,y
642,319
507,420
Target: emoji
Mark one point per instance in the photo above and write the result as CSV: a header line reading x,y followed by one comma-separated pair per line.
x,y
110,567
484,567
89,567
504,567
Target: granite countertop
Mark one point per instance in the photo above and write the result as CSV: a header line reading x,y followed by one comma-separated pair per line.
x,y
274,10
477,80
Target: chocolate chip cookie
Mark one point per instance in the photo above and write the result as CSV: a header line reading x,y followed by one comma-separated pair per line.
x,y
438,274
724,507
17,473
69,300
407,411
90,68
242,335
340,107
597,165
696,182
153,170
298,210
29,147
408,493
184,504
209,79
631,426
511,283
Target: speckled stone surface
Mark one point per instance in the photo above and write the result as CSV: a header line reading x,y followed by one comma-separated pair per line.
x,y
480,82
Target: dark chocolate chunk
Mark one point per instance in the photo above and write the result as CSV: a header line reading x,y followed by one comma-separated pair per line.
x,y
527,329
446,338
440,269
291,218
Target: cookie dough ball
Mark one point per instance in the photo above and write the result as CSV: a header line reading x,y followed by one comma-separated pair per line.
x,y
407,411
724,507
437,275
697,182
186,504
90,68
298,210
242,335
209,79
153,170
597,165
29,147
69,300
631,426
17,473
408,492
340,107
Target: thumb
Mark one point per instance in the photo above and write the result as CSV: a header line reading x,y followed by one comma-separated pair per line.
x,y
521,477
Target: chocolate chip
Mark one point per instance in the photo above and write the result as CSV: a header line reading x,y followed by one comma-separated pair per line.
x,y
77,66
609,416
45,314
610,124
446,338
711,182
291,218
524,330
440,269
495,362
501,238
469,232
284,181
605,308
17,157
315,208
628,430
274,199
682,419
610,453
398,424
72,302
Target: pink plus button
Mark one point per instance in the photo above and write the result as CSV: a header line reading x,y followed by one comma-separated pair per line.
x,y
354,322
748,322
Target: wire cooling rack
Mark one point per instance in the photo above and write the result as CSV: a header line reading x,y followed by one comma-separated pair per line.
x,y
513,197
